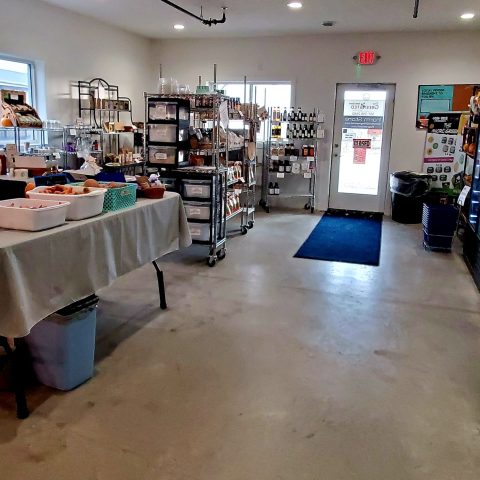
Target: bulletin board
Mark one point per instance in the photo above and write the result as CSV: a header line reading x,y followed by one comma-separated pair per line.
x,y
442,98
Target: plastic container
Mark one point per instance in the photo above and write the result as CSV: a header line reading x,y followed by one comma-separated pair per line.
x,y
197,188
197,210
166,156
440,219
199,231
62,346
437,242
84,205
167,133
13,217
124,196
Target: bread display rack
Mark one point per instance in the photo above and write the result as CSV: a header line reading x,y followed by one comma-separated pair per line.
x,y
16,112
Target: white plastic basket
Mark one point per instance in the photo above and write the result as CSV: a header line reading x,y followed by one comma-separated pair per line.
x,y
14,217
83,205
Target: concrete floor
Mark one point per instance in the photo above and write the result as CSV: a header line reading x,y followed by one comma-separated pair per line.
x,y
269,367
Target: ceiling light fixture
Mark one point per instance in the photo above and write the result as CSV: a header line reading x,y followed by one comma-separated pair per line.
x,y
178,26
467,16
294,5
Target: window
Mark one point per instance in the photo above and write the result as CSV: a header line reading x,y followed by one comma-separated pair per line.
x,y
278,94
16,75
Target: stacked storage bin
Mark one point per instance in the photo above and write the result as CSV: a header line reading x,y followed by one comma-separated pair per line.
x,y
439,225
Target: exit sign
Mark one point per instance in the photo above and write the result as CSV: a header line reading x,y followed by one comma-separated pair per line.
x,y
367,57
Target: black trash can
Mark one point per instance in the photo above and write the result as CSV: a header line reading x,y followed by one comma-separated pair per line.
x,y
408,194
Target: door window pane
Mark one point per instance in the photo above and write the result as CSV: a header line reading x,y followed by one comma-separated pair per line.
x,y
362,140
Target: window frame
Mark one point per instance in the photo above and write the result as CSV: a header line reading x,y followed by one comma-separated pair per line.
x,y
250,91
31,75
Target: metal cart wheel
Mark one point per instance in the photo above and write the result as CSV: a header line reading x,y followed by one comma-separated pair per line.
x,y
244,230
250,225
307,206
212,261
222,254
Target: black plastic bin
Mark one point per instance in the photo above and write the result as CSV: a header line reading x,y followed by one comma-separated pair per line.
x,y
408,194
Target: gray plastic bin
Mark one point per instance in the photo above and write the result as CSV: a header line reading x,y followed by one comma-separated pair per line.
x,y
62,345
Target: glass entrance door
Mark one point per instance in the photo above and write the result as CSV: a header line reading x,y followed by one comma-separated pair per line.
x,y
363,131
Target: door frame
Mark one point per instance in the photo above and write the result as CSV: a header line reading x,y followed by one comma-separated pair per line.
x,y
335,120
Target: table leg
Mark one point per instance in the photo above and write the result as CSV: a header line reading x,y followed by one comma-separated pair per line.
x,y
18,373
161,287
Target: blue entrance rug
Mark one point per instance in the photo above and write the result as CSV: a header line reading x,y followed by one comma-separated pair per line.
x,y
347,239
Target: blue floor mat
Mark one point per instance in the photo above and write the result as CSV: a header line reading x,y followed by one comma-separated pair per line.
x,y
346,239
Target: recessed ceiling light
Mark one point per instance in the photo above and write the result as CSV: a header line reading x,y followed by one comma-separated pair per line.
x,y
467,16
294,5
178,26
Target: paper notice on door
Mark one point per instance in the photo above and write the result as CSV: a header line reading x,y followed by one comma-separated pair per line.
x,y
359,156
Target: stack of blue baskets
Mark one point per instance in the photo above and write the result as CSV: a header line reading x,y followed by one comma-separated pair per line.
x,y
439,225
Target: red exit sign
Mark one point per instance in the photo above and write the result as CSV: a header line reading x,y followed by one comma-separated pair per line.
x,y
367,57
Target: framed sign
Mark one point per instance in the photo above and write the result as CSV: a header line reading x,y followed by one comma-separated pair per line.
x,y
442,98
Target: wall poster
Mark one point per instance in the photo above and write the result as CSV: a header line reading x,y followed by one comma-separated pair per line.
x,y
442,98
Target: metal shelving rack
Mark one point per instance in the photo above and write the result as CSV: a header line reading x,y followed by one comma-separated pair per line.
x,y
98,111
268,174
215,174
248,129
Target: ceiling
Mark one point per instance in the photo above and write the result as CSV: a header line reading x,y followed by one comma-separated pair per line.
x,y
155,19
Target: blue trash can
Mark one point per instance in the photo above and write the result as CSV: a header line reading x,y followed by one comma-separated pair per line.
x,y
62,345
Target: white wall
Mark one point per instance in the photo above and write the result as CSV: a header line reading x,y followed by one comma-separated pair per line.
x,y
67,47
317,63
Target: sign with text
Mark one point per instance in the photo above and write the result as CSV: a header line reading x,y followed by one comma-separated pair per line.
x,y
359,156
362,143
442,98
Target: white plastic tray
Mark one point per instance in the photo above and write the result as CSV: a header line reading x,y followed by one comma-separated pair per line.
x,y
81,206
32,220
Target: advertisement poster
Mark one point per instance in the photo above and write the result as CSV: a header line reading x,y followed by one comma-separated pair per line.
x,y
442,98
443,157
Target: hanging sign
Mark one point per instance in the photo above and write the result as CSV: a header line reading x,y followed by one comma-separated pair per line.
x,y
224,114
362,143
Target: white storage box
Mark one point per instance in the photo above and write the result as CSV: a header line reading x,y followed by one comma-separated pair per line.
x,y
25,214
167,134
197,188
199,231
197,210
82,205
166,155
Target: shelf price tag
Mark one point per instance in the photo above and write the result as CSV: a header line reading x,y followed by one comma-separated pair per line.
x,y
293,158
275,157
307,175
280,175
310,159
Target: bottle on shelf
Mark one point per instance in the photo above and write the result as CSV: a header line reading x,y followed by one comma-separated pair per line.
x,y
285,115
276,188
305,151
311,151
299,114
271,189
281,166
288,166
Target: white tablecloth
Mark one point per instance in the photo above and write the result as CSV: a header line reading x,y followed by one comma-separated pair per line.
x,y
42,272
